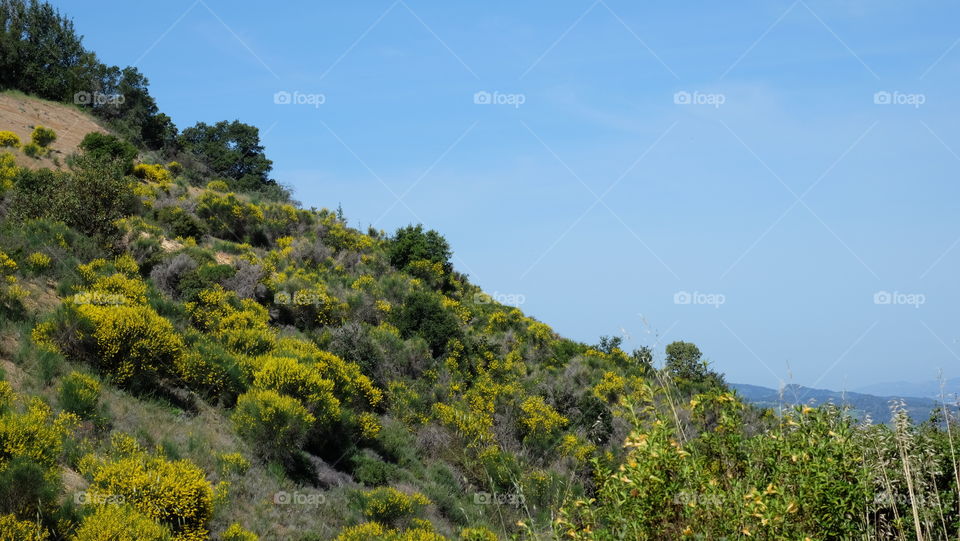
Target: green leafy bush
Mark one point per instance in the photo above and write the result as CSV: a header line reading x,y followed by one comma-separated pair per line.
x,y
80,394
42,136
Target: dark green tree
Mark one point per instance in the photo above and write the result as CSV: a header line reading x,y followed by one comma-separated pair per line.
x,y
230,150
685,364
423,315
106,147
411,244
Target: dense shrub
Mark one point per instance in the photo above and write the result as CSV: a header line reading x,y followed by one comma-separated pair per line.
x,y
120,523
173,493
411,244
90,198
42,136
132,345
424,315
274,424
390,506
181,222
168,275
34,150
80,394
230,150
106,147
21,530
289,377
9,139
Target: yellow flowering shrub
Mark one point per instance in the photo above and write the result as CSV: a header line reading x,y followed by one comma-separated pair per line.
x,y
274,424
539,419
7,264
218,186
6,395
153,173
364,283
120,523
38,261
351,385
131,344
541,333
369,425
233,463
431,272
9,139
8,170
389,505
236,533
374,530
576,447
477,534
228,216
610,387
289,377
240,324
35,434
173,493
12,529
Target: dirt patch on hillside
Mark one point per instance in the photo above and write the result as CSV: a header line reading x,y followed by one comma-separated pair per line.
x,y
20,114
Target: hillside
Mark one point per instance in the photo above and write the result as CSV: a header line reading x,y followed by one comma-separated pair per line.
x,y
20,114
187,353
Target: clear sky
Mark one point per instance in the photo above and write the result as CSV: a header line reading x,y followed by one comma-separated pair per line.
x,y
761,213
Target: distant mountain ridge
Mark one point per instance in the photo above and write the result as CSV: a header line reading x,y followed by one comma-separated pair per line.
x,y
877,407
923,389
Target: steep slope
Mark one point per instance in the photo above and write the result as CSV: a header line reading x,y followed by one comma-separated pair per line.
x,y
21,114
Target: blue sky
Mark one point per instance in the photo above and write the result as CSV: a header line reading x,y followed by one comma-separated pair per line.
x,y
721,174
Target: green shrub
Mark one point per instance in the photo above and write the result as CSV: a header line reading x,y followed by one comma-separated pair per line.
x,y
102,146
27,489
424,315
91,198
80,394
181,222
42,136
34,151
411,244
